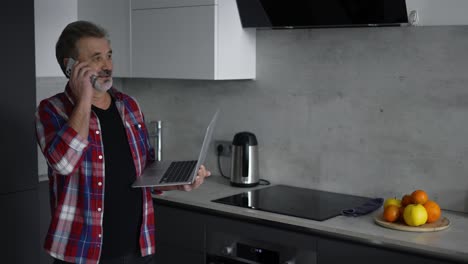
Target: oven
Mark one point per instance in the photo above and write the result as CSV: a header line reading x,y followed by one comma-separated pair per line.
x,y
225,248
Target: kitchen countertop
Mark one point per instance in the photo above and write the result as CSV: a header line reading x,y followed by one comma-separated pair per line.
x,y
450,243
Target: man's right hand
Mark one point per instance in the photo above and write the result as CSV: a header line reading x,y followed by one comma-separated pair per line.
x,y
82,91
80,82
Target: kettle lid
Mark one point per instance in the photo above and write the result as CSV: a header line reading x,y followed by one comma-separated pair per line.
x,y
244,138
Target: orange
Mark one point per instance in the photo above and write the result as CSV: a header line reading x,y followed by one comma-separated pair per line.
x,y
401,219
419,197
406,200
433,211
391,213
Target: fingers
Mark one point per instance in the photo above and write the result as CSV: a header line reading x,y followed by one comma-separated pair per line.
x,y
80,80
198,181
82,71
202,173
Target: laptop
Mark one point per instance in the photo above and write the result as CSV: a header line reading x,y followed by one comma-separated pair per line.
x,y
167,173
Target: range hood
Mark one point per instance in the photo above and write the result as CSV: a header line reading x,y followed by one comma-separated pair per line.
x,y
322,13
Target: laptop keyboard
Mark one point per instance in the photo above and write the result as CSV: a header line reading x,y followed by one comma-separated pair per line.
x,y
179,171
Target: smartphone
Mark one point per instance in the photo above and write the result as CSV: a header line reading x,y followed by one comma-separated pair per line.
x,y
68,69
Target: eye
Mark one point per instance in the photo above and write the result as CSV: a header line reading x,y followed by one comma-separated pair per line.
x,y
97,59
109,56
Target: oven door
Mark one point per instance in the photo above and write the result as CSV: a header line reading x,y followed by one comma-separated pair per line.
x,y
213,259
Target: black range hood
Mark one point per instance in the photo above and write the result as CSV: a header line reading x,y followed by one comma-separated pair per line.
x,y
321,13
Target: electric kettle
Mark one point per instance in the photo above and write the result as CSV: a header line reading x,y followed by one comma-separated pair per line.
x,y
244,160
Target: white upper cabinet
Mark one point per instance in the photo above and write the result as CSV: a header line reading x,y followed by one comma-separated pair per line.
x,y
114,16
196,39
180,39
437,13
51,17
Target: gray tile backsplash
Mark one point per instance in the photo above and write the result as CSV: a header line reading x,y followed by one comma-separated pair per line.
x,y
367,111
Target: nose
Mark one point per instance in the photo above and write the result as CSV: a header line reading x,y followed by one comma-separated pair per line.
x,y
107,64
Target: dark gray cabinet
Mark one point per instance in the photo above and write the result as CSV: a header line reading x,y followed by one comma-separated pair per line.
x,y
17,71
180,236
173,254
187,235
335,251
18,189
19,227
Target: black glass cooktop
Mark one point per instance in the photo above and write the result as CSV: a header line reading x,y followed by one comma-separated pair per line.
x,y
294,201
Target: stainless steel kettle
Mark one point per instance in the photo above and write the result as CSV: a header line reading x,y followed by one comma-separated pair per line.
x,y
244,160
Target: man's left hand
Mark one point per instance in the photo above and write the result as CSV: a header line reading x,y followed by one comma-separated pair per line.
x,y
202,174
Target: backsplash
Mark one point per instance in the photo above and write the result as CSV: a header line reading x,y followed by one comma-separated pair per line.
x,y
366,111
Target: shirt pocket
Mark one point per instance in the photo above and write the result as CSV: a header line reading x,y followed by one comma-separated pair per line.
x,y
138,143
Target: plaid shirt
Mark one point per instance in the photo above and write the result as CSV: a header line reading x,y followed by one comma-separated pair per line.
x,y
77,180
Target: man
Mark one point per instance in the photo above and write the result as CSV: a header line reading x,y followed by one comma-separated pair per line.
x,y
95,142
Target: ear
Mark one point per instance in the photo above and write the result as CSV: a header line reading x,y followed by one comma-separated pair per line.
x,y
65,61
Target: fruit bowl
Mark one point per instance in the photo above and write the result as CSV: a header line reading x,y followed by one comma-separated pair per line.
x,y
441,224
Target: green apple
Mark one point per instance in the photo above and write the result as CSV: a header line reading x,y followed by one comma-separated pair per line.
x,y
392,201
415,215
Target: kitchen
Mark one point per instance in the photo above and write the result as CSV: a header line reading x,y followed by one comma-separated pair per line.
x,y
368,111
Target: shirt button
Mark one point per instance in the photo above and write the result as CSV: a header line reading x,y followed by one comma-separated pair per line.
x,y
99,209
97,132
139,126
100,157
99,183
99,235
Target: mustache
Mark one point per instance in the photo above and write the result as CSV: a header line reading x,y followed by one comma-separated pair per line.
x,y
104,73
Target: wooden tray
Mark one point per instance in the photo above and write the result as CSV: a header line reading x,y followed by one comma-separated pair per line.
x,y
438,225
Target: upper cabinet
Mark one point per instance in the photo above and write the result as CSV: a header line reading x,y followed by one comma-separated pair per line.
x,y
51,17
196,39
114,16
180,39
437,13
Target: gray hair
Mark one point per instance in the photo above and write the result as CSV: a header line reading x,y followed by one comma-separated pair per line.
x,y
73,32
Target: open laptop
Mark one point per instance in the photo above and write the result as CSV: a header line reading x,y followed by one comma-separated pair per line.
x,y
166,173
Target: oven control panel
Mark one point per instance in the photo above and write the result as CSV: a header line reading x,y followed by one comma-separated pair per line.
x,y
229,248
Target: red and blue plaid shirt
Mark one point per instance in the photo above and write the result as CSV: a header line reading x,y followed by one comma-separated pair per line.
x,y
77,177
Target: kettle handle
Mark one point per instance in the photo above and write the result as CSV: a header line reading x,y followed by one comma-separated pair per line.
x,y
245,161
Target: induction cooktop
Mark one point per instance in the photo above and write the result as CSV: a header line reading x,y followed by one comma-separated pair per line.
x,y
294,201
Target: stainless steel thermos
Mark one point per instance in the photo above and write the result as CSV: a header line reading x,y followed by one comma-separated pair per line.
x,y
244,160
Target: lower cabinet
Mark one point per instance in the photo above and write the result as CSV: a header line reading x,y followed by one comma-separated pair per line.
x,y
179,235
173,255
19,237
188,236
336,251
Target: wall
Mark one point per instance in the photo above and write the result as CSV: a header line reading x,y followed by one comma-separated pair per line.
x,y
367,111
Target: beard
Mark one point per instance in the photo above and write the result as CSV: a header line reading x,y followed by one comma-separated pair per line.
x,y
102,85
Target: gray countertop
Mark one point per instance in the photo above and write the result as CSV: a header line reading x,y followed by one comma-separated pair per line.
x,y
450,243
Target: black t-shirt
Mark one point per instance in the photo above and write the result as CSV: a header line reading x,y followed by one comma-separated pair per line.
x,y
123,210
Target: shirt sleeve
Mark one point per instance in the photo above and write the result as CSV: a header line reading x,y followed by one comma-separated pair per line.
x,y
61,145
